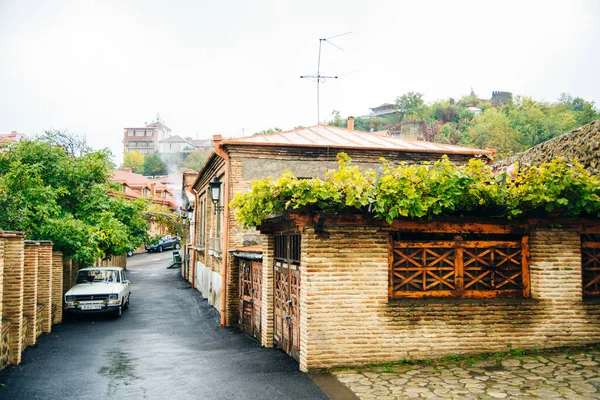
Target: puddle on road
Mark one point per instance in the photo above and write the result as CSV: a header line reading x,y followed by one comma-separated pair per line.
x,y
120,369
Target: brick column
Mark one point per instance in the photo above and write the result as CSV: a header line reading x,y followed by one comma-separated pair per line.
x,y
233,295
1,286
57,277
267,307
45,283
12,300
67,272
555,266
30,277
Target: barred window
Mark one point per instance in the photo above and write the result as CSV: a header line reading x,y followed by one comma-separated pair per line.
x,y
465,266
590,265
287,247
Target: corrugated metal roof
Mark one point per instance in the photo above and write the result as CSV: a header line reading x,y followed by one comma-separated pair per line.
x,y
331,136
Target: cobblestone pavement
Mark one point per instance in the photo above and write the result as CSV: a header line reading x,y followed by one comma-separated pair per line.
x,y
559,375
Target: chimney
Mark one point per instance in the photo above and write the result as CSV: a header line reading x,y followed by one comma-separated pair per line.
x,y
153,189
350,123
127,170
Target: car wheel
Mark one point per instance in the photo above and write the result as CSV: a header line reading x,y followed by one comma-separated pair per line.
x,y
126,305
160,249
177,246
129,253
118,312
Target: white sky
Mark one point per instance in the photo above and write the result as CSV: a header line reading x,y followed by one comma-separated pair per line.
x,y
228,67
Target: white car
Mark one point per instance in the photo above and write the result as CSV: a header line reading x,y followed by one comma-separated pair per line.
x,y
99,289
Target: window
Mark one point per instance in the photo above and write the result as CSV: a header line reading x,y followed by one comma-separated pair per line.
x,y
129,133
465,266
201,227
145,191
590,265
287,247
148,133
139,133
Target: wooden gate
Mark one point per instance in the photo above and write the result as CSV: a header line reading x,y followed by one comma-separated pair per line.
x,y
287,308
250,283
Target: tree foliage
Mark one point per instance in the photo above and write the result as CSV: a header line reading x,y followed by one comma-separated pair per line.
x,y
425,190
49,194
154,165
72,144
268,131
524,122
196,159
133,160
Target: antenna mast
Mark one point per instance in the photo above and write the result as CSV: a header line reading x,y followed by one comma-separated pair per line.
x,y
321,78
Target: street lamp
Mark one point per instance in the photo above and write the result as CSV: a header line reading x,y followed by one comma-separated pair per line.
x,y
215,193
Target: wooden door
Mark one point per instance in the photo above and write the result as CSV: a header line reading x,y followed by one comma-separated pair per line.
x,y
250,289
287,308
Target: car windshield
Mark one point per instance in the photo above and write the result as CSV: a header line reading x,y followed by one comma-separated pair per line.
x,y
98,275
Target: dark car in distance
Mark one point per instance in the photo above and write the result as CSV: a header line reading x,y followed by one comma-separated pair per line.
x,y
164,243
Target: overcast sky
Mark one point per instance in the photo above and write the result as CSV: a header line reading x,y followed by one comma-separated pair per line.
x,y
233,67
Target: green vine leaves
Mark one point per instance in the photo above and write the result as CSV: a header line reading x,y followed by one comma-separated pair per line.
x,y
426,190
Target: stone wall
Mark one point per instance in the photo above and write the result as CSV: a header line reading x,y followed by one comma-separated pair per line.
x,y
347,318
582,144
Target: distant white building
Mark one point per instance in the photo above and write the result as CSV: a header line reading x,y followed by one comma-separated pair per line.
x,y
475,110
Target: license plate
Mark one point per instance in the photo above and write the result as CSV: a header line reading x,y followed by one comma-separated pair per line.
x,y
91,306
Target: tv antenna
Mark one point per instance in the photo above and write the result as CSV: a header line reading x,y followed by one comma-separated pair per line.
x,y
321,78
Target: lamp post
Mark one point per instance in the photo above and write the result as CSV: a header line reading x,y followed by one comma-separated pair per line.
x,y
215,193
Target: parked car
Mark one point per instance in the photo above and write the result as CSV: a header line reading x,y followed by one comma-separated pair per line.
x,y
164,243
97,290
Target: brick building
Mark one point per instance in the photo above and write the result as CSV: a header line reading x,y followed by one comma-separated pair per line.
x,y
347,290
146,139
223,252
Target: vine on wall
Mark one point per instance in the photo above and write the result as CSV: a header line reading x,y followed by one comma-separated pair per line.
x,y
427,189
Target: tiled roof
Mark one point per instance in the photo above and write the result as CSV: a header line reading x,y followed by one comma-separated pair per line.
x,y
175,138
202,142
340,138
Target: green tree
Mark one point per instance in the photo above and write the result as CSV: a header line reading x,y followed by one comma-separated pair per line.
x,y
49,194
337,120
72,144
154,165
493,129
196,159
133,160
411,105
267,131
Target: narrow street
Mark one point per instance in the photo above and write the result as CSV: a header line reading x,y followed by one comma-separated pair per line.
x,y
166,346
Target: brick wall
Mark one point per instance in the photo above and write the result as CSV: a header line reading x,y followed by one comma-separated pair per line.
x,y
45,283
30,277
67,273
347,318
267,309
57,276
233,296
12,297
1,279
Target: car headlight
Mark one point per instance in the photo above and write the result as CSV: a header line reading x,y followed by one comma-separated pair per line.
x,y
70,299
113,296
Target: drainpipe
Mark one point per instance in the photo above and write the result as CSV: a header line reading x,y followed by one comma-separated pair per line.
x,y
217,141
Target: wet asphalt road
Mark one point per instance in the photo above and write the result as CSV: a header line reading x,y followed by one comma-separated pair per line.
x,y
166,346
